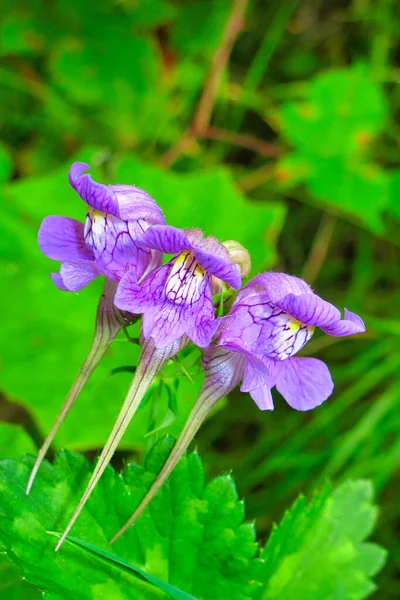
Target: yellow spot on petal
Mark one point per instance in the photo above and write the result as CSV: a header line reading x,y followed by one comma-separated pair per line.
x,y
294,324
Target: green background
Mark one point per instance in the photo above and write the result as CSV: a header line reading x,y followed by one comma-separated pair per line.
x,y
298,160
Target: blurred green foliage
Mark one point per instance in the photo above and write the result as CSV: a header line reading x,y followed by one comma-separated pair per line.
x,y
298,160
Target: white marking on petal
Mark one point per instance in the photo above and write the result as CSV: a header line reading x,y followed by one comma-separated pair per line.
x,y
184,283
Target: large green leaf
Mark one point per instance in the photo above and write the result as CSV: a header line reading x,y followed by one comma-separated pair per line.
x,y
210,200
12,586
192,536
14,441
318,550
332,131
343,110
57,327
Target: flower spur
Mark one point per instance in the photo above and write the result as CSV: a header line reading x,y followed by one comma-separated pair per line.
x,y
105,245
271,319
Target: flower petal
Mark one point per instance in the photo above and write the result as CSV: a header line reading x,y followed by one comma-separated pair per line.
x,y
304,382
309,309
263,398
260,327
275,285
127,202
256,373
223,370
129,295
350,325
76,274
134,203
165,238
100,197
221,268
113,243
58,282
201,329
61,238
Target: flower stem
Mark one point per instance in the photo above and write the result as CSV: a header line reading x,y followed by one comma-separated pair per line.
x,y
109,321
150,362
207,399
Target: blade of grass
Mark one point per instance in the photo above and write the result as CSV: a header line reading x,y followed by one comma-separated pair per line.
x,y
174,592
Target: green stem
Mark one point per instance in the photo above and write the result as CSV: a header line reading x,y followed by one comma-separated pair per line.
x,y
208,397
109,322
150,362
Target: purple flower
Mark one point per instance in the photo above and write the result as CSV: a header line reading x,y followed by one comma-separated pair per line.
x,y
118,215
176,298
272,318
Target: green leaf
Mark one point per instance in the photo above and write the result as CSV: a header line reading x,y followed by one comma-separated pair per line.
x,y
344,110
192,535
56,328
14,441
356,190
107,556
12,586
318,550
211,201
6,164
332,131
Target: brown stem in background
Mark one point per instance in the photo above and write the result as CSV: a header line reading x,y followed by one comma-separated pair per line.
x,y
320,248
256,178
242,140
205,106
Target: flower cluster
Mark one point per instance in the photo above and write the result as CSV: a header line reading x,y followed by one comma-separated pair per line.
x,y
124,238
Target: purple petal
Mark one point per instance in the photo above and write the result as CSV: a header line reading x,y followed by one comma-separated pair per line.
x,y
210,245
58,282
61,238
221,268
256,373
260,327
164,326
275,286
350,325
201,329
309,309
173,301
129,296
113,244
304,382
134,203
195,236
263,398
127,202
100,197
165,238
76,274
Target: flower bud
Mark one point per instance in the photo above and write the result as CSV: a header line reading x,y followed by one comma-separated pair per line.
x,y
240,256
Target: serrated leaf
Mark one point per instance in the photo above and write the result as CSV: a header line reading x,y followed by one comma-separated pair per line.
x,y
191,536
318,550
103,555
12,586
